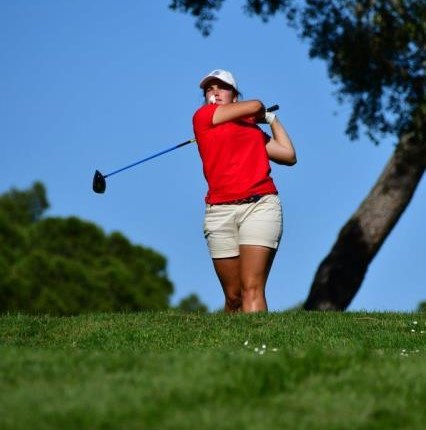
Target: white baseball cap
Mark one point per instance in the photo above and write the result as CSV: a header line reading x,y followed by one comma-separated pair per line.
x,y
222,75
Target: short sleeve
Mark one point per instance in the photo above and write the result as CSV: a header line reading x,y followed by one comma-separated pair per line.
x,y
203,118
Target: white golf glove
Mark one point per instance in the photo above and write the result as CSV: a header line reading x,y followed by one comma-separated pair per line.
x,y
269,117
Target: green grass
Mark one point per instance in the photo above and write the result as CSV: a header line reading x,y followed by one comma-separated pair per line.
x,y
183,371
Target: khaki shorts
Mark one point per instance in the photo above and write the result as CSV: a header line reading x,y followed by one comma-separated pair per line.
x,y
226,227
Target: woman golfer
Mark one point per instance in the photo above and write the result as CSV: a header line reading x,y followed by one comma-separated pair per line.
x,y
243,217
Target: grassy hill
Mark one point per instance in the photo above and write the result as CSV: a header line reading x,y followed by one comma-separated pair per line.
x,y
168,370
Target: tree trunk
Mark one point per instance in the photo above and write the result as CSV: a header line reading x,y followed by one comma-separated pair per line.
x,y
341,273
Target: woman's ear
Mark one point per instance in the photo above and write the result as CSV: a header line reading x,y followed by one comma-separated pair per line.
x,y
236,95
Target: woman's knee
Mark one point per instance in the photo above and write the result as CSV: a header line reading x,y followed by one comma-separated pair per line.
x,y
234,302
252,284
253,290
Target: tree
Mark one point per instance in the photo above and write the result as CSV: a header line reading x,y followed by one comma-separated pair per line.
x,y
66,266
25,206
374,50
192,304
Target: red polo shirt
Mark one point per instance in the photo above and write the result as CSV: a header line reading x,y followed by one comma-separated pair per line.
x,y
234,157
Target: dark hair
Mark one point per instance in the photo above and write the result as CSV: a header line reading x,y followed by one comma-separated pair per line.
x,y
235,91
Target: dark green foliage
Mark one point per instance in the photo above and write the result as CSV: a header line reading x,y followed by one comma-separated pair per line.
x,y
203,10
66,266
375,50
24,207
192,303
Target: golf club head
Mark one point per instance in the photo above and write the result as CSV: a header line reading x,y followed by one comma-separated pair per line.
x,y
99,183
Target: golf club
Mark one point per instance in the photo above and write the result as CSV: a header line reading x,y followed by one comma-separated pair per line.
x,y
99,182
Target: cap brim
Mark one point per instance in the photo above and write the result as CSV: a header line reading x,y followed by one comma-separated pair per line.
x,y
204,82
207,79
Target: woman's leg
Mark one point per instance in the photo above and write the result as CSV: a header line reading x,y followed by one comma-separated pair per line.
x,y
243,278
228,272
255,264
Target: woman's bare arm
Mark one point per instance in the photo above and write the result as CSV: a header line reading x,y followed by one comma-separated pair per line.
x,y
233,111
280,148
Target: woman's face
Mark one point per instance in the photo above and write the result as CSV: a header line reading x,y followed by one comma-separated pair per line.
x,y
222,92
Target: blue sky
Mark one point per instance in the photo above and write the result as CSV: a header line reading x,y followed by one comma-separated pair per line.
x,y
101,84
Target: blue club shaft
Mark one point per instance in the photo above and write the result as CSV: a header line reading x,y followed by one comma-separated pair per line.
x,y
150,157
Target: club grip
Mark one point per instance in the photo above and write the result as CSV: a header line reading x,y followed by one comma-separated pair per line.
x,y
272,108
